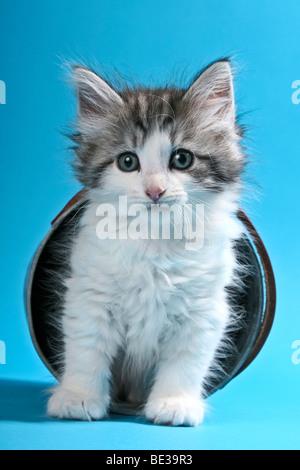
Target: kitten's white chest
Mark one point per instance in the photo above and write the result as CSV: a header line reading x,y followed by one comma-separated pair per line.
x,y
142,294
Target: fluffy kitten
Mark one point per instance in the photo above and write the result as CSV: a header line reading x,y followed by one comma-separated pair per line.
x,y
144,320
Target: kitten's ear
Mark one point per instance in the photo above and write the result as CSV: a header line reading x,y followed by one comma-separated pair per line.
x,y
212,92
95,96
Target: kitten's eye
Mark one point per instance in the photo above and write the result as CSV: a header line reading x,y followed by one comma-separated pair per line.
x,y
128,162
181,159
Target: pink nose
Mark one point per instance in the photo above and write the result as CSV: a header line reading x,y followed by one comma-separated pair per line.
x,y
155,193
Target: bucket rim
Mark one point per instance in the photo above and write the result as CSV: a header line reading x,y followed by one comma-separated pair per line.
x,y
260,251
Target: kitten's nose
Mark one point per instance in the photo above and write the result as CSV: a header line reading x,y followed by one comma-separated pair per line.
x,y
155,193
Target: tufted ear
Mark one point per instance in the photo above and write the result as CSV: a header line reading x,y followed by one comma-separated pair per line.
x,y
212,92
95,96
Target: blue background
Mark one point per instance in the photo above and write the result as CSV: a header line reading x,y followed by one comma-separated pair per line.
x,y
148,40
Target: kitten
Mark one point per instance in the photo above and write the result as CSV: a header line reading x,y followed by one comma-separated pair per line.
x,y
144,319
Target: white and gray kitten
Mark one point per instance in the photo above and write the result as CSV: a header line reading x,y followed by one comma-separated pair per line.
x,y
144,320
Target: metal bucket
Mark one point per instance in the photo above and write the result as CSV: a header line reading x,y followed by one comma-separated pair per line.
x,y
258,299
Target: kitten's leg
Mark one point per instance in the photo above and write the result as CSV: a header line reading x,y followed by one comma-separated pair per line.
x,y
91,342
177,396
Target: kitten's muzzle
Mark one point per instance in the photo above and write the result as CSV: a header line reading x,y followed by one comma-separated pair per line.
x,y
155,193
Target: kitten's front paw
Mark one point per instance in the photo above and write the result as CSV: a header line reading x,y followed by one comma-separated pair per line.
x,y
65,404
175,411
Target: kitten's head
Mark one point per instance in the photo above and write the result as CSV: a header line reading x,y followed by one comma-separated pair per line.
x,y
158,144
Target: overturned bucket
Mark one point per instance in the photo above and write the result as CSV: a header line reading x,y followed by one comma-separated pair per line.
x,y
258,299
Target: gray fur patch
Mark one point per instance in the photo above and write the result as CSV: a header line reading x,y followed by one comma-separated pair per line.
x,y
184,113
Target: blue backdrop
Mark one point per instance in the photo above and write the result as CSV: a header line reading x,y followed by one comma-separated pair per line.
x,y
150,41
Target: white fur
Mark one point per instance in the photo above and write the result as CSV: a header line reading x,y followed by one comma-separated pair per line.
x,y
162,305
147,316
